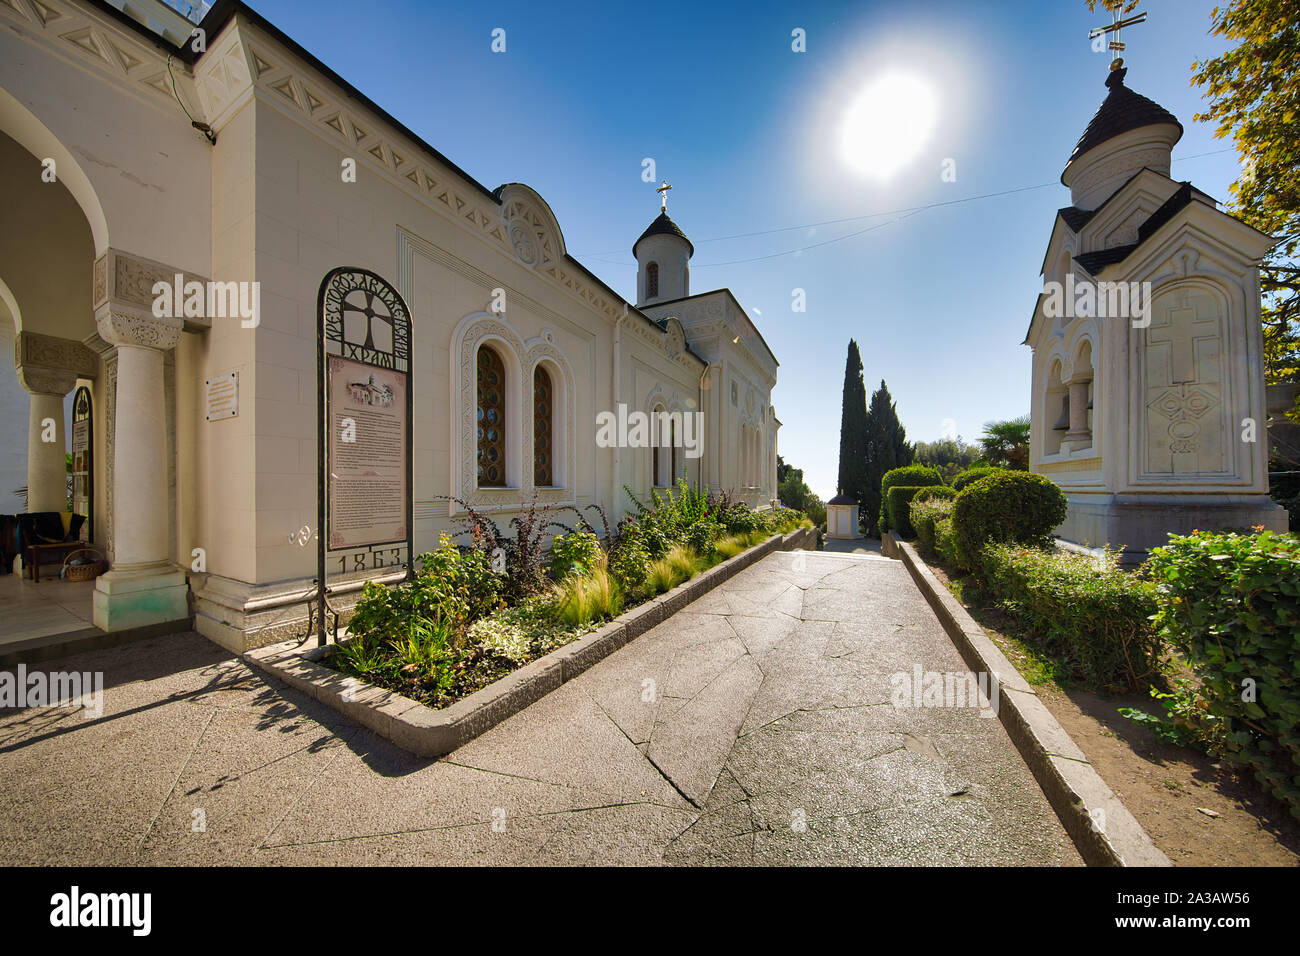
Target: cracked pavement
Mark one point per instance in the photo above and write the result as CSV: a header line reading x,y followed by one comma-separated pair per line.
x,y
754,727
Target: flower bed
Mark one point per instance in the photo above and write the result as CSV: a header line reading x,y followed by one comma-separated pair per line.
x,y
474,614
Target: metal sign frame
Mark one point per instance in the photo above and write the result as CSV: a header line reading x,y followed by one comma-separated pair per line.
x,y
331,342
83,410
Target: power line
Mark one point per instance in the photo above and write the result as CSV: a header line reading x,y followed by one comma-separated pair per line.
x,y
899,214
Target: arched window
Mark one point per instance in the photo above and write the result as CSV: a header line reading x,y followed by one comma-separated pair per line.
x,y
543,438
491,415
652,280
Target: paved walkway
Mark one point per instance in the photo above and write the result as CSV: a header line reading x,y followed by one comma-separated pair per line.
x,y
755,727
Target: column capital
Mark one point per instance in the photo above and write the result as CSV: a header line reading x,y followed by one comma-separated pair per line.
x,y
46,381
131,328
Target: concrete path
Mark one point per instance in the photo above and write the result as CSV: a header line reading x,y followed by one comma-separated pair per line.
x,y
755,727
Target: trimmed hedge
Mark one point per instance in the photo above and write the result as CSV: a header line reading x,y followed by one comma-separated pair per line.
x,y
924,513
935,492
945,541
898,505
1095,619
918,476
1009,506
970,475
1231,603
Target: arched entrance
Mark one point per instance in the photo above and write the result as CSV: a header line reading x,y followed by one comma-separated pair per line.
x,y
47,252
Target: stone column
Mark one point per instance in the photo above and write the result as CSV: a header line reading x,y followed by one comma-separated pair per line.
x,y
144,587
1078,436
47,471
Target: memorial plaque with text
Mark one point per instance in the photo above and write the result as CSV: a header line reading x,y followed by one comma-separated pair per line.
x,y
367,454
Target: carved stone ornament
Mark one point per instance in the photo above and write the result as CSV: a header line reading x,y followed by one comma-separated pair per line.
x,y
142,331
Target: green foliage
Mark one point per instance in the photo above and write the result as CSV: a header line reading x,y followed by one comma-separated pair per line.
x,y
970,475
949,456
740,519
574,553
629,558
581,599
1013,506
1231,604
887,449
1006,444
1253,91
897,504
934,493
945,541
792,491
853,428
913,475
924,513
452,587
1092,617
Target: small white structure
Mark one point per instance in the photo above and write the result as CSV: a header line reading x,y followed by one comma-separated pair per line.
x,y
842,517
1148,385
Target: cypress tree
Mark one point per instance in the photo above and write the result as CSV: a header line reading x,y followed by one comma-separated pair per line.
x,y
853,427
886,448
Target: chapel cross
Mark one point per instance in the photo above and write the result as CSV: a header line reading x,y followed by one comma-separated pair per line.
x,y
1181,333
1118,24
663,196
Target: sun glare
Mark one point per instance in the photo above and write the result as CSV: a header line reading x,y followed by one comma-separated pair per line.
x,y
888,124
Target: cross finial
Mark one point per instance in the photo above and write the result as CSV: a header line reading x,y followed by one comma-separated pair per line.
x,y
1117,24
663,196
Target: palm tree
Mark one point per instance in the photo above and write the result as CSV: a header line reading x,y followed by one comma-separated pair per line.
x,y
1006,444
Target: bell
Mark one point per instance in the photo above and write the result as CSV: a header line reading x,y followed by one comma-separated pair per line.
x,y
1063,423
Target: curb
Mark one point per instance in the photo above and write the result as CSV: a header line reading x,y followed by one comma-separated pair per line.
x,y
434,733
1102,828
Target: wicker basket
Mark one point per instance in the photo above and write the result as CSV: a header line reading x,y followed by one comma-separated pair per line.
x,y
83,572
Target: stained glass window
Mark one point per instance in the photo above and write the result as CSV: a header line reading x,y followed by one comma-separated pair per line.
x,y
652,280
543,446
491,414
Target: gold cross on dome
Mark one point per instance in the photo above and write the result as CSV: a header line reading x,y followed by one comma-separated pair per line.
x,y
1118,24
663,196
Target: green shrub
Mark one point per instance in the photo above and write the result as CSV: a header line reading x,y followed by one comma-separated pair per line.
x,y
741,519
945,541
574,553
629,559
924,514
935,492
701,535
1091,616
915,475
897,504
971,475
1010,506
452,587
1231,603
521,633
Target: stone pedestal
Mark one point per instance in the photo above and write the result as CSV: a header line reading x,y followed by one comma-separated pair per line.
x,y
144,587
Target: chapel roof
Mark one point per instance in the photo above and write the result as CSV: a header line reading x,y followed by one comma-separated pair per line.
x,y
843,499
1122,110
663,226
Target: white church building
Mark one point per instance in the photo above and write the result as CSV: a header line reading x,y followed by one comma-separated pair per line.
x,y
128,158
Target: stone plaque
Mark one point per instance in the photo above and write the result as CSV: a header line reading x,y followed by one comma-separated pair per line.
x,y
223,396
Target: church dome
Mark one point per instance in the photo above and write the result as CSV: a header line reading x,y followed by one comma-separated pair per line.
x,y
1128,132
663,226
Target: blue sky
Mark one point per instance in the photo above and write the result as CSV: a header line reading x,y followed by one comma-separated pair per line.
x,y
747,131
